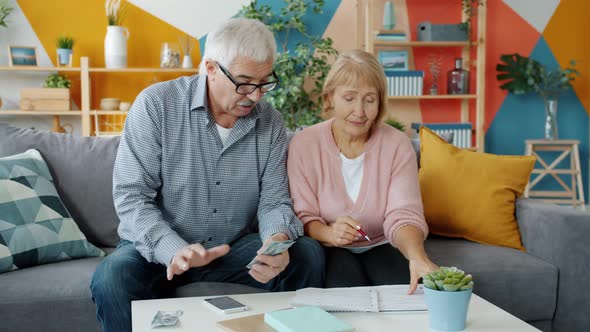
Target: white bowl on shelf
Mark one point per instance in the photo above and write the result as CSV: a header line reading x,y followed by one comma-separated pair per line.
x,y
124,106
110,104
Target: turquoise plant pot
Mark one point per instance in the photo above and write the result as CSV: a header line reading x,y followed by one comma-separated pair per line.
x,y
447,311
64,56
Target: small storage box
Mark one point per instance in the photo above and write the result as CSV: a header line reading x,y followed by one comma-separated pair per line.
x,y
45,99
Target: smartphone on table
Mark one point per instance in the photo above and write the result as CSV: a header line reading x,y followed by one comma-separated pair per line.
x,y
225,305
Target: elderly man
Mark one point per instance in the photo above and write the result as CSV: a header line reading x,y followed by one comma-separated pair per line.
x,y
200,160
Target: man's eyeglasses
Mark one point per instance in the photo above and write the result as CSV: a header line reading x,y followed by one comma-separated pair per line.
x,y
248,88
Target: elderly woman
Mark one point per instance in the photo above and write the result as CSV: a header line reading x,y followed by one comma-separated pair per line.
x,y
354,181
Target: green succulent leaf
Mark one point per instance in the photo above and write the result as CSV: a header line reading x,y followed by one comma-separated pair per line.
x,y
448,279
439,284
450,288
468,286
430,284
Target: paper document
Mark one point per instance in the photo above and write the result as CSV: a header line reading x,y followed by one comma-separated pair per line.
x,y
366,299
360,250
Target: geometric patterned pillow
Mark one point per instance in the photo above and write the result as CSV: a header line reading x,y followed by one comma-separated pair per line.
x,y
35,227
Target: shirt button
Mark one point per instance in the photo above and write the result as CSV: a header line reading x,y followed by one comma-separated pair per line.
x,y
218,182
214,210
210,239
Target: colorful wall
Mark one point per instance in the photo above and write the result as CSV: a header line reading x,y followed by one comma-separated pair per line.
x,y
550,31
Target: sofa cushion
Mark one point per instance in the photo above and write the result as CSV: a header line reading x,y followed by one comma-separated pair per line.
x,y
35,227
82,170
47,298
471,194
52,297
517,282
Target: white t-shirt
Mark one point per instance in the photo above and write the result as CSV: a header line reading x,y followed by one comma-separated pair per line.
x,y
352,171
223,133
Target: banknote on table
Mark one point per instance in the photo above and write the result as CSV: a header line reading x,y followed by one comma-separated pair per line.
x,y
272,249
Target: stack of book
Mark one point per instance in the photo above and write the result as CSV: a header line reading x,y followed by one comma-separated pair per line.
x,y
461,131
390,35
405,83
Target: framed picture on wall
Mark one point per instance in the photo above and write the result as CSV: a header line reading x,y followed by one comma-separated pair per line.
x,y
22,56
393,60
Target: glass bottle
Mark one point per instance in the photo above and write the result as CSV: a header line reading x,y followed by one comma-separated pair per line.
x,y
458,79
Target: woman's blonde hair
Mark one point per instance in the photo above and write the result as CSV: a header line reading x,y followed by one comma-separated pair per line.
x,y
356,68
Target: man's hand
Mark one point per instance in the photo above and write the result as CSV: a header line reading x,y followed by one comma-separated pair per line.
x,y
194,255
271,265
343,232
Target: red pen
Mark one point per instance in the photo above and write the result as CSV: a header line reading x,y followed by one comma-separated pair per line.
x,y
361,232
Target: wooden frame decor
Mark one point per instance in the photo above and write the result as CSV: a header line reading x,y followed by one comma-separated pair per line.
x,y
393,60
25,56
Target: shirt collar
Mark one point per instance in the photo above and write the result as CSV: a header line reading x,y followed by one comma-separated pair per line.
x,y
199,100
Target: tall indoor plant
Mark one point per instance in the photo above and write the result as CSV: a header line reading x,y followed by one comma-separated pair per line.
x,y
522,75
307,60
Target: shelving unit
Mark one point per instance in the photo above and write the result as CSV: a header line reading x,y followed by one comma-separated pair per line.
x,y
85,113
372,45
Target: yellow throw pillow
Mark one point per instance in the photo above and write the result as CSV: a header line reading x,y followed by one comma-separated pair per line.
x,y
470,194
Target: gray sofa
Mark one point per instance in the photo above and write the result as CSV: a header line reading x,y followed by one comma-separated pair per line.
x,y
541,286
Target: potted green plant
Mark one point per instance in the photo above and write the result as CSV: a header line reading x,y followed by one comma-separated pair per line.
x,y
306,61
64,50
522,75
5,10
448,291
396,124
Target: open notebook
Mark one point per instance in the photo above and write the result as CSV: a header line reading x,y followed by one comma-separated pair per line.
x,y
367,299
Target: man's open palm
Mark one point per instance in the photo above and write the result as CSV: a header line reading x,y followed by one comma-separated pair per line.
x,y
194,255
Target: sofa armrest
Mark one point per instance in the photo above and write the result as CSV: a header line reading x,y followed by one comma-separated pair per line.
x,y
559,235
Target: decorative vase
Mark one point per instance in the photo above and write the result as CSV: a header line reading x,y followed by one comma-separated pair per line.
x,y
447,311
187,62
388,16
550,117
115,47
64,56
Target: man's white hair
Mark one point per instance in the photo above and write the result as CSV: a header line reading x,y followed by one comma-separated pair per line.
x,y
239,37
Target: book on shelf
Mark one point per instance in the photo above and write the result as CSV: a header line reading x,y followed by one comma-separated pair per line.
x,y
405,82
391,35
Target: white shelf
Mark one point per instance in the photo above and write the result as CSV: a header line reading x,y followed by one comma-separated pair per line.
x,y
21,112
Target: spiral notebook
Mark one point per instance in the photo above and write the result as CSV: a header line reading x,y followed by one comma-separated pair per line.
x,y
366,299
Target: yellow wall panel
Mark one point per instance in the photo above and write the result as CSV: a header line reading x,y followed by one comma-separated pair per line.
x,y
86,21
568,36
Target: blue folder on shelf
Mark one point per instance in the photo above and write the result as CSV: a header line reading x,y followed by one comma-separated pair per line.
x,y
305,319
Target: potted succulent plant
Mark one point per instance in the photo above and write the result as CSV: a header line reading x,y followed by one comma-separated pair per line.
x,y
64,50
448,291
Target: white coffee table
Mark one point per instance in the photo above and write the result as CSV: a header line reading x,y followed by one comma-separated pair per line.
x,y
482,316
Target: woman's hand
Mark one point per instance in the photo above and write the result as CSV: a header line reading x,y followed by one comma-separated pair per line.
x,y
418,268
343,232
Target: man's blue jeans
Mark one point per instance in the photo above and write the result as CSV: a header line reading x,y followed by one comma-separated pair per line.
x,y
126,276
